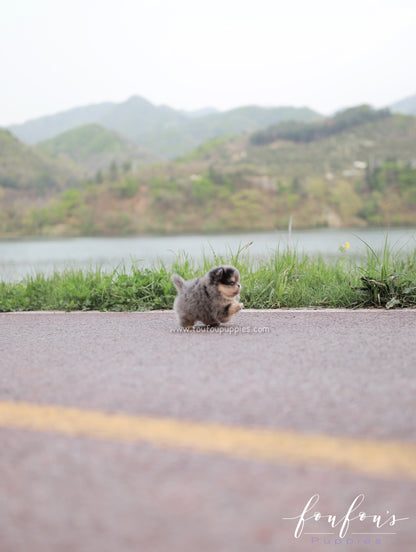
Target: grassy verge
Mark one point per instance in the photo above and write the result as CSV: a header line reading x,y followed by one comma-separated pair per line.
x,y
285,279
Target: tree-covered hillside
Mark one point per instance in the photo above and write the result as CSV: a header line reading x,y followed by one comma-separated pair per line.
x,y
296,131
28,168
363,174
96,148
166,131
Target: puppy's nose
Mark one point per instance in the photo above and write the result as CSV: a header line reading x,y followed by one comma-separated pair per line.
x,y
239,286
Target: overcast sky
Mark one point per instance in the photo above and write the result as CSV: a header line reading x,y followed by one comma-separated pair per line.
x,y
326,54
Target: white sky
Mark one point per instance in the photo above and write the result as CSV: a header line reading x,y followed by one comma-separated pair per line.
x,y
326,54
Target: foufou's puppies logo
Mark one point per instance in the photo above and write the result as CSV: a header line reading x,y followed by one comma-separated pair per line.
x,y
350,523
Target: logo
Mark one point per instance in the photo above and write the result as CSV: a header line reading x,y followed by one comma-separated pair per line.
x,y
357,523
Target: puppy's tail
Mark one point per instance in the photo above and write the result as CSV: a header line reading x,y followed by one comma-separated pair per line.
x,y
178,281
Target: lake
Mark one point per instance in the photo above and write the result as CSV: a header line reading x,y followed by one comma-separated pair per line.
x,y
21,257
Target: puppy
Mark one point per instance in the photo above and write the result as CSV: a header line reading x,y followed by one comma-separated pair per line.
x,y
211,299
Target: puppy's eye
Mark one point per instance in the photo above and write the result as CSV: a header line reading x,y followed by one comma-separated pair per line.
x,y
231,283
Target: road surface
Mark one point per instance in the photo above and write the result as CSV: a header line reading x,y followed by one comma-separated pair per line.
x,y
120,432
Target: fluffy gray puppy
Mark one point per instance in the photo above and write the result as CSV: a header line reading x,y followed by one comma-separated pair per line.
x,y
212,299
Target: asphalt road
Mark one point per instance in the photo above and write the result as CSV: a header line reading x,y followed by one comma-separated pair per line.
x,y
162,440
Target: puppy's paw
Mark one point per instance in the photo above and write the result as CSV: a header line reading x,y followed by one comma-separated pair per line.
x,y
236,307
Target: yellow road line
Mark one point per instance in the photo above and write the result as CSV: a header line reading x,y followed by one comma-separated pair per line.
x,y
372,458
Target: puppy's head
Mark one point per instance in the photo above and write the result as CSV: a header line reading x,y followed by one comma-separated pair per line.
x,y
226,279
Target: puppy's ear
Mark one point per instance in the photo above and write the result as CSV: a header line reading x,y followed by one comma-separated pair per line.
x,y
219,273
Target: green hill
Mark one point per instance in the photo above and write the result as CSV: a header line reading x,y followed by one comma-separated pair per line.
x,y
25,167
362,174
247,119
164,130
179,138
96,148
29,178
300,131
48,126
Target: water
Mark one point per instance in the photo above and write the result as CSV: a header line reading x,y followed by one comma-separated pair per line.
x,y
19,258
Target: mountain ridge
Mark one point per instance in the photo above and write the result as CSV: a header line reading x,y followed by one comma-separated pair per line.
x,y
27,167
95,148
362,174
167,131
406,106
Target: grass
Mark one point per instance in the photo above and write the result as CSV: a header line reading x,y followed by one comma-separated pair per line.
x,y
387,280
285,279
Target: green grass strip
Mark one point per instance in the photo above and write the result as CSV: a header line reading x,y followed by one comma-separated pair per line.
x,y
285,279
